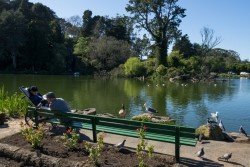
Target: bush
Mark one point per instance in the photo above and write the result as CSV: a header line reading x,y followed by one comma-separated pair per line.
x,y
150,64
14,105
134,67
161,70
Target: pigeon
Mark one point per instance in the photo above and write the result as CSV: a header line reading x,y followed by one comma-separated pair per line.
x,y
222,126
121,144
225,157
242,131
150,110
201,152
200,137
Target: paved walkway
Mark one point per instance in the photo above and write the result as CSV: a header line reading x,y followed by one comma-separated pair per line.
x,y
213,149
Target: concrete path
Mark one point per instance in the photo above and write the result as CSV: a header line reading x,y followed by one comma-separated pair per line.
x,y
213,149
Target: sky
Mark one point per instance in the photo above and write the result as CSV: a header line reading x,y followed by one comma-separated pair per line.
x,y
228,18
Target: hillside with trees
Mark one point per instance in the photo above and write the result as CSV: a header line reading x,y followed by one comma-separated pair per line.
x,y
35,40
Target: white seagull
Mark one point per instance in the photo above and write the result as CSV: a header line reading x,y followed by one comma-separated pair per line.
x,y
121,144
215,115
226,156
150,110
201,152
242,131
122,111
222,126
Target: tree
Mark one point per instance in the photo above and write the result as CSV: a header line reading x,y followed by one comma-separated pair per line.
x,y
12,28
107,53
184,46
160,18
209,41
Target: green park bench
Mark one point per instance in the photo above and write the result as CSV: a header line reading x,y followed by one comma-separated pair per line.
x,y
178,135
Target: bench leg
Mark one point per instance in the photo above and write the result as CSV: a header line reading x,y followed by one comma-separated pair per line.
x,y
177,144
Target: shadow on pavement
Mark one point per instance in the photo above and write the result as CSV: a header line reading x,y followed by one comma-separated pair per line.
x,y
203,162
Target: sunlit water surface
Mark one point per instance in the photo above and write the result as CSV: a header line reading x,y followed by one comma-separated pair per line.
x,y
189,103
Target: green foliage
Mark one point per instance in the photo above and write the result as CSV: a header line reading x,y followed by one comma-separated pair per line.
x,y
150,65
173,72
140,149
161,70
32,135
95,151
143,119
108,53
71,138
162,29
134,67
175,59
184,46
14,105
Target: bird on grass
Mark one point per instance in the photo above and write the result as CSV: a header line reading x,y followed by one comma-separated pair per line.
x,y
242,131
121,144
122,112
149,109
200,153
222,126
225,157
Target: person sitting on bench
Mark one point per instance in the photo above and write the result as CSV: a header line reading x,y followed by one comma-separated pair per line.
x,y
56,103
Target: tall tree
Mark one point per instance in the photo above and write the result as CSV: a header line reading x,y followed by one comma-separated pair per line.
x,y
160,18
184,46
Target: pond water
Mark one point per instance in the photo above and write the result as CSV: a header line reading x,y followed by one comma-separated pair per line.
x,y
189,103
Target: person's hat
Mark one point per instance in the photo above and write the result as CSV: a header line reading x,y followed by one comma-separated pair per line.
x,y
49,95
34,88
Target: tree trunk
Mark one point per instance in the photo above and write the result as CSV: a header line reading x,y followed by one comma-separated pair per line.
x,y
161,53
13,55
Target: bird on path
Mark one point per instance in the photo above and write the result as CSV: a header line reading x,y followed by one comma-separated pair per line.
x,y
149,109
121,144
242,131
200,137
222,126
225,157
200,153
122,111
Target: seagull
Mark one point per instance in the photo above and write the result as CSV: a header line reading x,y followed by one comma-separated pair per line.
x,y
215,115
150,110
201,152
120,145
122,111
226,156
222,126
242,131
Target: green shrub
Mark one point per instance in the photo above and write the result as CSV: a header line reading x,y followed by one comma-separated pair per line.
x,y
134,67
161,70
150,64
14,105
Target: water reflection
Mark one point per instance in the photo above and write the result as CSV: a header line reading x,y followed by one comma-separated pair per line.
x,y
190,104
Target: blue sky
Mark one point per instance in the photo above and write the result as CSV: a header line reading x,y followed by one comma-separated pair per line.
x,y
228,18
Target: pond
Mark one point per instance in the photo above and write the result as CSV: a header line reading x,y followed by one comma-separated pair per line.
x,y
189,104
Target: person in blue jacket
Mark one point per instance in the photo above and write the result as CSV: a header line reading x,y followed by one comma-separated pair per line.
x,y
35,97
